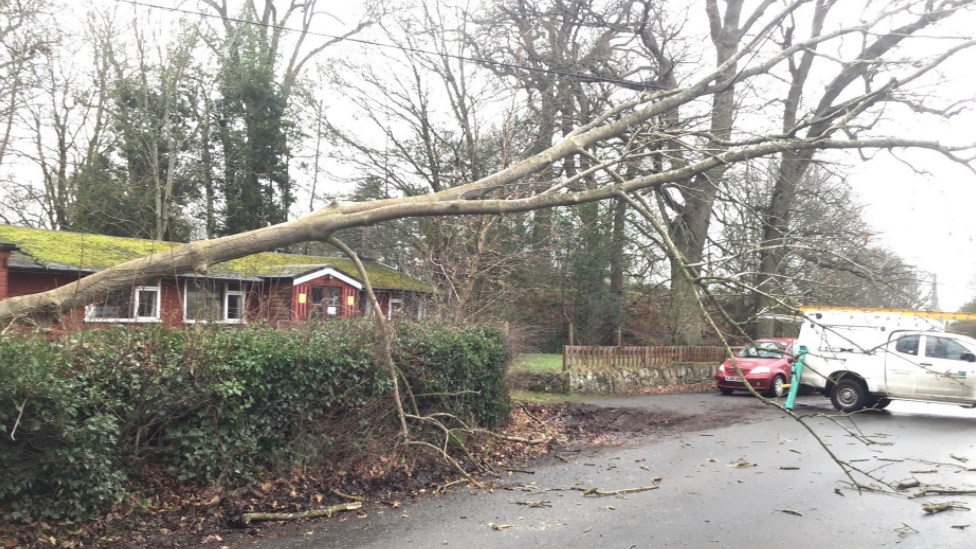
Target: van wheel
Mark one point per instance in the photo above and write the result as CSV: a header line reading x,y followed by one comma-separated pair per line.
x,y
725,391
848,395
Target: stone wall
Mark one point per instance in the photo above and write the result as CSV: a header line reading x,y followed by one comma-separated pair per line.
x,y
617,382
613,382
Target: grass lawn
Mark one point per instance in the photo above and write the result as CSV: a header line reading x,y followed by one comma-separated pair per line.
x,y
532,396
538,362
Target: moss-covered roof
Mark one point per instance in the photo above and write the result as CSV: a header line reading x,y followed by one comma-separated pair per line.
x,y
65,250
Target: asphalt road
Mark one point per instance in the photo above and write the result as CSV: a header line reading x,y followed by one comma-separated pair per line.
x,y
703,501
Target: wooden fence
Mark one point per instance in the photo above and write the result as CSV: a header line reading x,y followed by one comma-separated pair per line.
x,y
636,357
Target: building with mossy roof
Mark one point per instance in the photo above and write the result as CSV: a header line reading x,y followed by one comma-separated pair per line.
x,y
276,287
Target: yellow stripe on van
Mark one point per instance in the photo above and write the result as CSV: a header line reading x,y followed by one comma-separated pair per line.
x,y
935,315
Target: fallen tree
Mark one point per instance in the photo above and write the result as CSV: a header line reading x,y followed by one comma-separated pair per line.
x,y
638,122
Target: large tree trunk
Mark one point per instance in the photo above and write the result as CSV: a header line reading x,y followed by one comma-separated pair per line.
x,y
775,247
690,229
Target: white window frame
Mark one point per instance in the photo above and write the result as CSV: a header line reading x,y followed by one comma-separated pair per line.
x,y
389,307
224,302
243,295
90,309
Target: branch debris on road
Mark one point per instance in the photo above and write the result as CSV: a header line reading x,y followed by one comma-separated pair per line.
x,y
327,512
597,492
933,508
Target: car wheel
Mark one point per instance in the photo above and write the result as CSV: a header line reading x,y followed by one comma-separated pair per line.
x,y
776,388
880,404
848,395
725,391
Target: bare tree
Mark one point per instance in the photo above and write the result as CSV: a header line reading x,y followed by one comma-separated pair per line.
x,y
23,41
704,152
870,66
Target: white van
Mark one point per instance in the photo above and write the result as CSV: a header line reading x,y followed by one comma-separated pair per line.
x,y
867,357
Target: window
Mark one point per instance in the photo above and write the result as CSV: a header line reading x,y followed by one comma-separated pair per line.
x,y
396,306
763,349
907,345
212,301
943,347
325,301
140,304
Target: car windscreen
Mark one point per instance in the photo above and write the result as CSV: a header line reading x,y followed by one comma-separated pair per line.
x,y
763,349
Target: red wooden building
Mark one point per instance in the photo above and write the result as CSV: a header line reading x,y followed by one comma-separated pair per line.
x,y
279,288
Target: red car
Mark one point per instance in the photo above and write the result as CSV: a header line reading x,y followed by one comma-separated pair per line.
x,y
767,365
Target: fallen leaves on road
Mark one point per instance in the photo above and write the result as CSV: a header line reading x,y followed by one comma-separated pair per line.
x,y
960,526
960,459
500,526
791,512
789,468
839,493
741,465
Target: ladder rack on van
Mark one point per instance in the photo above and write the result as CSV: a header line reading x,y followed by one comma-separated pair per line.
x,y
934,315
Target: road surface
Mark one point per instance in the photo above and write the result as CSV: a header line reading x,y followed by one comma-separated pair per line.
x,y
705,500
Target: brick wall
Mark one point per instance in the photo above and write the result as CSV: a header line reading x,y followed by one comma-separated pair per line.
x,y
21,283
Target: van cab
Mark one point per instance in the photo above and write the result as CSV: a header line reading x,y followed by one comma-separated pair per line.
x,y
866,358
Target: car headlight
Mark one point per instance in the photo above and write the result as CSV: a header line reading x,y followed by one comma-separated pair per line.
x,y
760,370
721,369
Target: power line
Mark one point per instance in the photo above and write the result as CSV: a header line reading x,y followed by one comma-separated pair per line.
x,y
582,77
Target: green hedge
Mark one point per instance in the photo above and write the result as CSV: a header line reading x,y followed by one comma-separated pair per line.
x,y
91,408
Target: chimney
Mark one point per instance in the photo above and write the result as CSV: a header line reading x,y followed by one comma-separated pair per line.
x,y
5,250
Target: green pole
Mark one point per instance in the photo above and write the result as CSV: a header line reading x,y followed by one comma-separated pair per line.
x,y
797,372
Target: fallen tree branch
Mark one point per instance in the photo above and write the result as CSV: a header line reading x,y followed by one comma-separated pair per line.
x,y
327,512
943,492
933,508
528,413
598,492
906,484
347,496
534,504
19,416
444,487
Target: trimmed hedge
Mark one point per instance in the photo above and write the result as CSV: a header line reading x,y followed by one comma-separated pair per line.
x,y
80,415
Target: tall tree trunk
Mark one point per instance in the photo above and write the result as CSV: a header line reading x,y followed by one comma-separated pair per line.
x,y
690,228
206,159
617,242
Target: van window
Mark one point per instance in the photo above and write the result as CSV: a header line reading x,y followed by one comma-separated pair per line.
x,y
907,345
943,347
